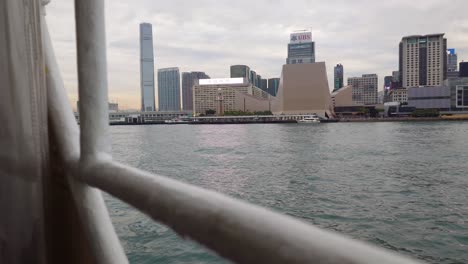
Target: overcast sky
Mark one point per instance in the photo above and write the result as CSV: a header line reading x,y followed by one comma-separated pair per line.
x,y
209,36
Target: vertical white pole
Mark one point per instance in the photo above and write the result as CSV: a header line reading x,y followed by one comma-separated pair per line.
x,y
92,78
94,123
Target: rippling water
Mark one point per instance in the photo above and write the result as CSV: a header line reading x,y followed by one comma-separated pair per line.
x,y
401,186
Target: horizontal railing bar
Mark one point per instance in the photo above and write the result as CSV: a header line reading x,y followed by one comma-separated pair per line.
x,y
237,230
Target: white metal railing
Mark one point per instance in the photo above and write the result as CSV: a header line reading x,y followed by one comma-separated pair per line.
x,y
234,229
90,204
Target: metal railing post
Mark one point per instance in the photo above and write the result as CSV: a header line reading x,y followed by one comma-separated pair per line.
x,y
94,122
92,77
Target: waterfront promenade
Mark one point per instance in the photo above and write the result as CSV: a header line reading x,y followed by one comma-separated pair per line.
x,y
401,119
275,119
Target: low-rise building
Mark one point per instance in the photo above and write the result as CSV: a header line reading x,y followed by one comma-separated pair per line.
x,y
145,117
345,106
391,107
396,109
462,96
230,94
399,95
251,103
456,97
113,107
343,97
430,97
453,74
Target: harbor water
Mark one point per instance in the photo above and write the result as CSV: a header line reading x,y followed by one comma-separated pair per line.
x,y
402,186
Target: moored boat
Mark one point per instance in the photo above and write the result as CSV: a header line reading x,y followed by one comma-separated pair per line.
x,y
310,119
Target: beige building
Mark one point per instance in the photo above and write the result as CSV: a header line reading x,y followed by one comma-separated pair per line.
x,y
303,89
229,94
399,95
343,97
423,60
250,103
364,89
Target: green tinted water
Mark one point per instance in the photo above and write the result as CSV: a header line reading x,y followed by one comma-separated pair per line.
x,y
401,186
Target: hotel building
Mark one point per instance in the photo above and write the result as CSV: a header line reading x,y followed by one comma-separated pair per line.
x,y
364,89
423,60
230,94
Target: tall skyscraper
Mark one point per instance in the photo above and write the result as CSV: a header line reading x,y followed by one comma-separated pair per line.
x,y
463,69
169,89
187,82
244,71
364,89
338,77
452,61
189,79
423,60
264,85
301,48
238,71
396,76
147,68
253,77
259,81
396,80
273,84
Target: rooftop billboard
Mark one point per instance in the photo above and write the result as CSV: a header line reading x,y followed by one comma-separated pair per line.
x,y
301,37
221,81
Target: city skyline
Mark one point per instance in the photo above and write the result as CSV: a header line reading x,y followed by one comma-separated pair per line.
x,y
194,43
